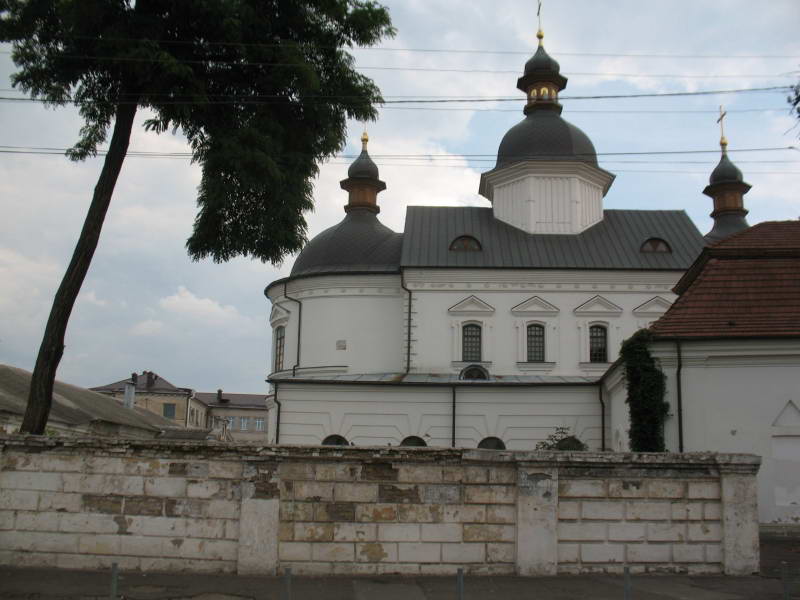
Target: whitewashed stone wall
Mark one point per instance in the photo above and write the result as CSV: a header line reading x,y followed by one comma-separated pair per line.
x,y
208,507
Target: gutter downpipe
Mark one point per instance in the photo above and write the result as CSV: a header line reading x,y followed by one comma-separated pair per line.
x,y
602,416
453,438
299,328
277,414
679,384
408,323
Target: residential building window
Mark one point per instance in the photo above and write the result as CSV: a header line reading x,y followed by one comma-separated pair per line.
x,y
244,423
492,443
474,372
335,440
168,410
231,422
414,441
280,339
259,424
465,243
656,245
598,344
535,343
471,343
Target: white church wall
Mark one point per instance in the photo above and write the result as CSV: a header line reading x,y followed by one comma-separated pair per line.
x,y
742,396
379,415
565,304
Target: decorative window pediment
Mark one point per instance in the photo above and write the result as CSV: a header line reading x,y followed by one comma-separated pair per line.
x,y
278,315
598,307
788,417
534,306
655,307
471,306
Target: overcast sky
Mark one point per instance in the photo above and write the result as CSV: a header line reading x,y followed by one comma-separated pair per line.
x,y
146,306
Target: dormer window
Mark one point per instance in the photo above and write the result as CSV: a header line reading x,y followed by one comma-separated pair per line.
x,y
656,245
465,243
474,372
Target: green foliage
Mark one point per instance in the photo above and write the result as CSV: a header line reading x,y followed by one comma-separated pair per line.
x,y
561,439
261,89
794,100
646,388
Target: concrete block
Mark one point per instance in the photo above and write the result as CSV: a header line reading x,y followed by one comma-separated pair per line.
x,y
205,528
579,532
627,488
29,480
568,553
649,553
687,511
399,532
490,494
626,532
257,550
379,471
285,531
103,484
489,533
354,569
334,511
376,512
143,505
507,475
28,559
222,509
705,532
420,513
132,545
58,501
224,469
191,507
102,503
183,565
419,473
7,519
102,465
313,532
172,487
453,474
463,553
149,468
399,494
464,514
90,523
311,569
313,491
333,552
442,494
96,562
664,488
355,532
424,552
666,532
501,513
19,500
476,475
48,463
375,552
337,472
207,488
600,510
589,488
569,510
37,521
707,490
648,511
688,553
714,553
294,551
602,553
157,526
441,532
500,553
398,569
712,511
294,471
297,511
355,492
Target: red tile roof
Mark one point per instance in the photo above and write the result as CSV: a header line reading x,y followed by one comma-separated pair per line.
x,y
747,285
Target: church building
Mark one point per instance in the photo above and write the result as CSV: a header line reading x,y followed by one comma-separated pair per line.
x,y
480,327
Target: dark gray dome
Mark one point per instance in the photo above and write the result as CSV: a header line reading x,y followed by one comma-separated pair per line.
x,y
359,243
544,135
363,167
725,172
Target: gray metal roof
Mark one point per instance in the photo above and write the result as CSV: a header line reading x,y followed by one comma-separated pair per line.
x,y
614,243
434,379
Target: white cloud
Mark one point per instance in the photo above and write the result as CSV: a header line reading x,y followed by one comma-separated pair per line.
x,y
148,327
91,298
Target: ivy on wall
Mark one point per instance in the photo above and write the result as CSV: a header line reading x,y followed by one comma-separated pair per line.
x,y
646,388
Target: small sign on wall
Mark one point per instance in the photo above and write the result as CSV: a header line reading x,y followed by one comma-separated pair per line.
x,y
341,344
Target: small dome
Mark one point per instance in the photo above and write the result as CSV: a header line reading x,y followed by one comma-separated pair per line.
x,y
542,67
363,167
725,172
359,243
544,135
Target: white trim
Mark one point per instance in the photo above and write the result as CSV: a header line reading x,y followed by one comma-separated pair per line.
x,y
534,305
471,305
598,306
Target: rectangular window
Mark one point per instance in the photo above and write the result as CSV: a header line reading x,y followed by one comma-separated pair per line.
x,y
535,343
244,423
259,424
598,344
471,343
168,410
231,422
280,339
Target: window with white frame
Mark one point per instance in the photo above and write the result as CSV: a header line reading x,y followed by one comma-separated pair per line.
x,y
231,422
535,343
471,336
280,340
259,423
244,423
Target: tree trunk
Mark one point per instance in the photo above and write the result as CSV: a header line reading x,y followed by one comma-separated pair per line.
x,y
40,397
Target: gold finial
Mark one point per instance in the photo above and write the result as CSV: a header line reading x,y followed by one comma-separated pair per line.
x,y
723,142
540,33
364,138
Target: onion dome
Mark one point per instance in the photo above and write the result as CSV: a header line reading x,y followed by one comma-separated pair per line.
x,y
360,243
543,134
727,187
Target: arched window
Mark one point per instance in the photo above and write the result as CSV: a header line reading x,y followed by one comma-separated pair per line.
x,y
492,443
414,441
471,343
280,339
535,343
598,344
474,372
335,440
465,243
656,245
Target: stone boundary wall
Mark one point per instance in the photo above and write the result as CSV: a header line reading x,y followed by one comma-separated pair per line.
x,y
212,507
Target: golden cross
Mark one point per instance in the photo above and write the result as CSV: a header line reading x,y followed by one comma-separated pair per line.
x,y
722,114
539,33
